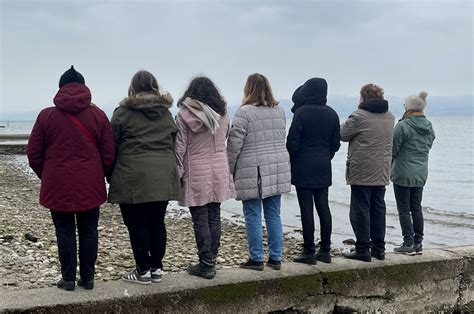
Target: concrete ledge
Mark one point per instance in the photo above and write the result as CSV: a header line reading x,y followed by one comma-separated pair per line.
x,y
12,148
440,279
13,144
14,137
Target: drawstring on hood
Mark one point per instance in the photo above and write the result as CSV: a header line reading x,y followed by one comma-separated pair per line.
x,y
204,113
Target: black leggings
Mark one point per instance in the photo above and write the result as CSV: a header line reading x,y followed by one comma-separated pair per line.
x,y
146,226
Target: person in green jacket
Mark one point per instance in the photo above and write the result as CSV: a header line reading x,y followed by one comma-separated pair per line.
x,y
145,176
412,141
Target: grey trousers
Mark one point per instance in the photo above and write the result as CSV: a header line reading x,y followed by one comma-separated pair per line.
x,y
207,230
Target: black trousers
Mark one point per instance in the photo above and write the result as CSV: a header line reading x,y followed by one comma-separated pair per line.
x,y
410,213
367,215
305,200
207,230
65,226
147,230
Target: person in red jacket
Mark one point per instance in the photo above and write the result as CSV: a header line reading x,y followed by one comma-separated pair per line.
x,y
71,148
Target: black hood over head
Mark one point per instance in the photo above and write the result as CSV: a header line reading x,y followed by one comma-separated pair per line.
x,y
375,105
313,92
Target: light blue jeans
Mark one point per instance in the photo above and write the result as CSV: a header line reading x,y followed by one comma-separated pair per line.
x,y
253,223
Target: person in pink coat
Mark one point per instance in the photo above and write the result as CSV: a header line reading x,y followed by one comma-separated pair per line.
x,y
203,126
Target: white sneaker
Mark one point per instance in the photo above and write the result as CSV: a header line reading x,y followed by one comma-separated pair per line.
x,y
156,275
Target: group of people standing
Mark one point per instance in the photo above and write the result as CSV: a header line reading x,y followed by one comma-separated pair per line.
x,y
201,160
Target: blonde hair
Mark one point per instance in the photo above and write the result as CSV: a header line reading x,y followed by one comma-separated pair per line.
x,y
143,81
371,91
257,91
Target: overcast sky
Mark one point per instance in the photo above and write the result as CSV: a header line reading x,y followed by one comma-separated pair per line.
x,y
404,46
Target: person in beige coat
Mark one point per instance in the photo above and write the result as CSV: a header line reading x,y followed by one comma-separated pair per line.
x,y
369,131
260,164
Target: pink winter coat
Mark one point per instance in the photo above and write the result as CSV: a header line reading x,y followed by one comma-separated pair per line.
x,y
202,161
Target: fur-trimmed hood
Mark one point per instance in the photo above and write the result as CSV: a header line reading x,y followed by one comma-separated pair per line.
x,y
151,104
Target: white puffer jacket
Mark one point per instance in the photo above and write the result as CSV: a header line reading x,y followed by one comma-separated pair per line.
x,y
257,153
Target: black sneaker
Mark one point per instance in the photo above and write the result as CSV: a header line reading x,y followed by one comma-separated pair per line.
x,y
252,265
276,265
405,249
377,255
365,257
66,285
202,270
323,256
135,277
156,275
306,257
418,248
88,285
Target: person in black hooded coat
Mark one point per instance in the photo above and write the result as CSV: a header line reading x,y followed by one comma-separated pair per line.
x,y
313,139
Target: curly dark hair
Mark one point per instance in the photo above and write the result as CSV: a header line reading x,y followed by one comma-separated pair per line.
x,y
203,89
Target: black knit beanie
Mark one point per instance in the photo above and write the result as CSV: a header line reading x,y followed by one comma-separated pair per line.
x,y
71,76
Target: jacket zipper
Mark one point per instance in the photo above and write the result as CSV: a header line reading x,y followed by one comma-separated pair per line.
x,y
259,182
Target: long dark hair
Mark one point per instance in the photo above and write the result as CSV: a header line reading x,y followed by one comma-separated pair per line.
x,y
203,89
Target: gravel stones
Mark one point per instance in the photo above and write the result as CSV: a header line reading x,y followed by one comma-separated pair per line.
x,y
27,265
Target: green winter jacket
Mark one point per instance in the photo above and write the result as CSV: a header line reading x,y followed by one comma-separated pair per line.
x,y
146,168
412,141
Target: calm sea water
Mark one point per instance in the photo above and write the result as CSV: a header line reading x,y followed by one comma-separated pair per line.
x,y
448,199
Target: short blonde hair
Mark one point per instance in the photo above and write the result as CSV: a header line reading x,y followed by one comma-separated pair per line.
x,y
371,91
258,91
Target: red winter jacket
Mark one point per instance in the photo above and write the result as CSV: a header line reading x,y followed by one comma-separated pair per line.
x,y
70,166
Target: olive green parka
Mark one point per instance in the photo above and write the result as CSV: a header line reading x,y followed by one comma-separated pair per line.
x,y
146,167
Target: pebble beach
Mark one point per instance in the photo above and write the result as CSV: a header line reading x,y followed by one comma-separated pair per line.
x,y
33,263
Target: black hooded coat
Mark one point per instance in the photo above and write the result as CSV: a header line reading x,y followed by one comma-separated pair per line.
x,y
314,136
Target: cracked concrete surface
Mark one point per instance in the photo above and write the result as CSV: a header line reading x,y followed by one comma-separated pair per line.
x,y
465,286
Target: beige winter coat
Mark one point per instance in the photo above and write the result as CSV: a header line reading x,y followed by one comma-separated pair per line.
x,y
257,152
369,132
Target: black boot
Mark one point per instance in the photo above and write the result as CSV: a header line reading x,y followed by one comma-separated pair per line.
x,y
66,285
203,270
323,255
361,256
378,255
88,285
307,256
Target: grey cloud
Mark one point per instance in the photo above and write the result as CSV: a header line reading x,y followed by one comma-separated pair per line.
x,y
404,46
